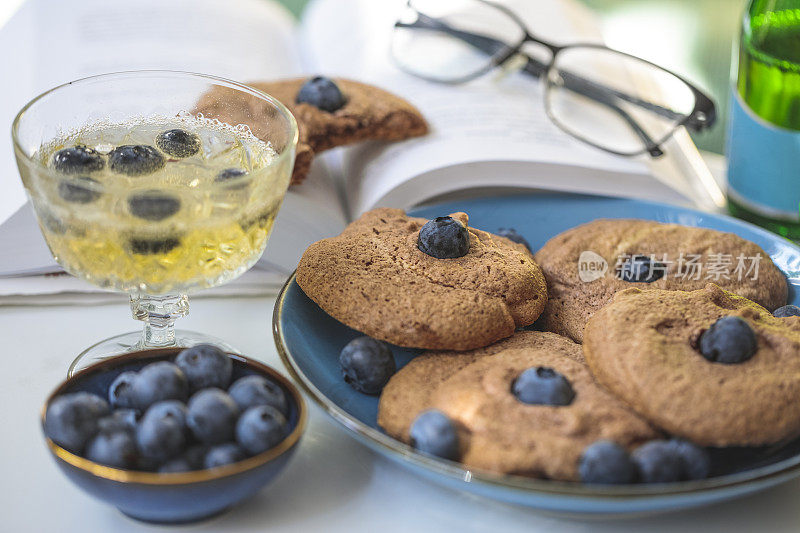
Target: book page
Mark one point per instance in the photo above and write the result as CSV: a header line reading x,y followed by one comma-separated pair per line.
x,y
60,41
491,119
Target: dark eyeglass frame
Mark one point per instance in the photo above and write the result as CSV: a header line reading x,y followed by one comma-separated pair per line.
x,y
702,116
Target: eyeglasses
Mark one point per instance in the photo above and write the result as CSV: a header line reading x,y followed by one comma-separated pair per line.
x,y
614,101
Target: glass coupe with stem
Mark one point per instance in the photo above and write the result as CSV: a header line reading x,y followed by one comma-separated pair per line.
x,y
156,184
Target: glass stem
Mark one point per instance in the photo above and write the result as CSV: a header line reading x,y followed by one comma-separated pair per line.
x,y
159,314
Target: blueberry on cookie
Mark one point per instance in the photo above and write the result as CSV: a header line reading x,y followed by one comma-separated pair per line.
x,y
444,238
641,269
542,386
729,340
322,93
512,235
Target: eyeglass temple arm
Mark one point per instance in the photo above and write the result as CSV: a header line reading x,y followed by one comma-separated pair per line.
x,y
536,68
650,145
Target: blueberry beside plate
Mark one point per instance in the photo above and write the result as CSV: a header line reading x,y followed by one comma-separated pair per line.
x,y
311,354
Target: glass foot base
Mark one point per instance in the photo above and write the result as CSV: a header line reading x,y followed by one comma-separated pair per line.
x,y
128,342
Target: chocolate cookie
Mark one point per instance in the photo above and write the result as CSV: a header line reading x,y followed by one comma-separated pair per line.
x,y
649,347
586,265
499,432
368,113
374,278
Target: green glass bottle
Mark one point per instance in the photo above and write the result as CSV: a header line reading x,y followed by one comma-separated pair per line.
x,y
763,144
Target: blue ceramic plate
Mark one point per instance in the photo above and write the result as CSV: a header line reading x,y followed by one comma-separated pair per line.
x,y
309,342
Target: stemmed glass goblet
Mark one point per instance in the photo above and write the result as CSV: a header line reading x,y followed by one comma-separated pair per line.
x,y
157,184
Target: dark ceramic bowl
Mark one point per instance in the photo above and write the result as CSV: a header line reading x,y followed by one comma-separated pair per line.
x,y
185,496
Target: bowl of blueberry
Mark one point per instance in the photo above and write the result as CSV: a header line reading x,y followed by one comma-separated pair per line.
x,y
174,435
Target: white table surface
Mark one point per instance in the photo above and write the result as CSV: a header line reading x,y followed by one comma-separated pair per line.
x,y
332,484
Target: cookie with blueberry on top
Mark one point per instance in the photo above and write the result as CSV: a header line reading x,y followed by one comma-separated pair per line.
x,y
330,112
437,284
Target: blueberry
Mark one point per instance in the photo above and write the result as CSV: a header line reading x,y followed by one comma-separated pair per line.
x,y
80,190
72,419
661,461
178,143
542,386
174,409
119,420
144,246
224,454
212,416
512,235
160,437
205,366
175,466
444,238
51,222
153,205
696,462
608,463
191,459
147,464
229,174
157,382
433,432
251,391
260,428
120,391
322,93
786,311
77,160
113,448
135,160
641,269
367,364
729,340
195,455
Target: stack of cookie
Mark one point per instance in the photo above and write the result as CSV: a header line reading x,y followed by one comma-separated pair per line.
x,y
640,365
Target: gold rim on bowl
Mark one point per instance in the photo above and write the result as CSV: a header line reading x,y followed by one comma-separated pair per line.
x,y
178,478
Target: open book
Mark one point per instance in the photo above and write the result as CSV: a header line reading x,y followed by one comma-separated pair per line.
x,y
489,134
